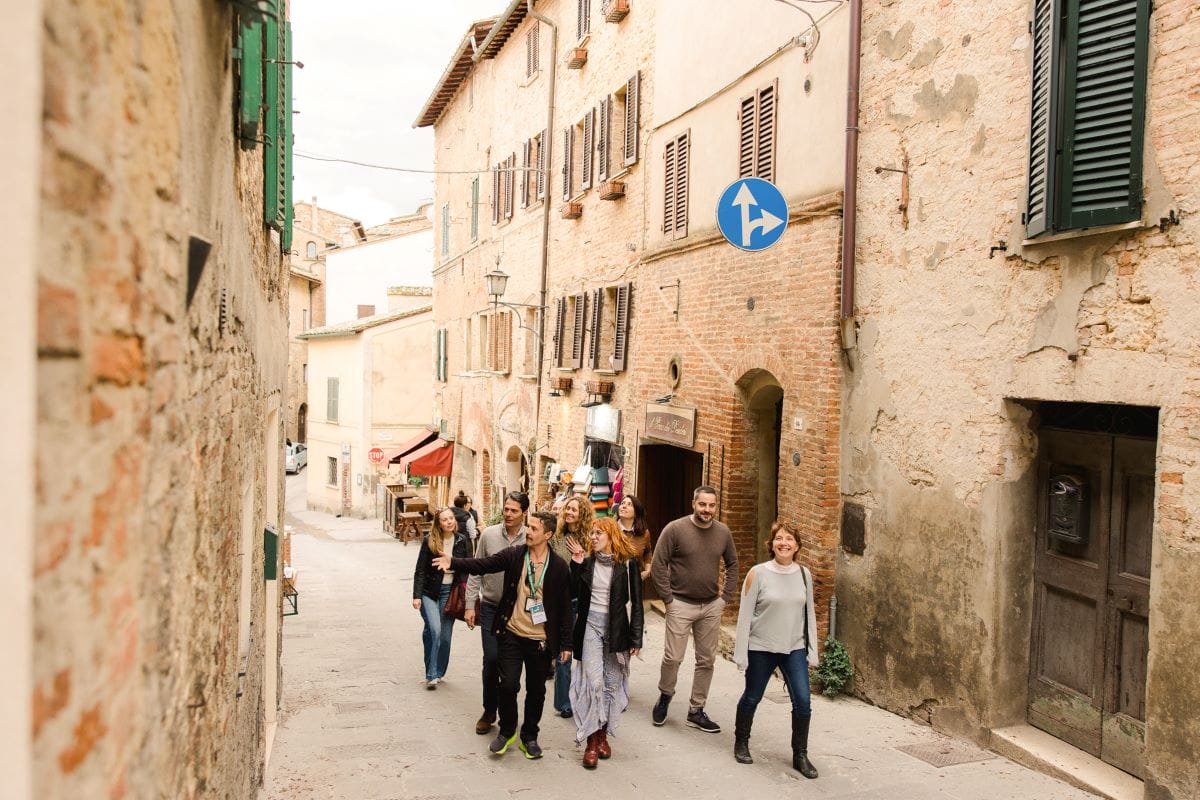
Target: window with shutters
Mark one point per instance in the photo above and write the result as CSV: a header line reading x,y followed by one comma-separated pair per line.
x,y
331,399
543,163
468,351
603,114
440,358
1087,114
475,209
532,51
445,230
630,119
676,163
250,82
529,364
560,322
583,18
523,175
568,162
757,129
502,342
609,329
277,127
497,201
485,353
587,150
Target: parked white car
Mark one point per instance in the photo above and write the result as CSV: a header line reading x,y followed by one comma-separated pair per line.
x,y
295,457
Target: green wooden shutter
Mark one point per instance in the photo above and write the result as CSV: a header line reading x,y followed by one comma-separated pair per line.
x,y
271,134
250,80
1104,102
285,233
1039,197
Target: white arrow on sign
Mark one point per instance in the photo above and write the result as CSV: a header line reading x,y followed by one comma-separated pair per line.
x,y
766,220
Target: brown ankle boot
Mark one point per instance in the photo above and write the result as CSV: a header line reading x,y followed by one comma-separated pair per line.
x,y
590,756
602,748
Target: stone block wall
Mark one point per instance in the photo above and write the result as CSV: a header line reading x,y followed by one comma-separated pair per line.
x,y
159,424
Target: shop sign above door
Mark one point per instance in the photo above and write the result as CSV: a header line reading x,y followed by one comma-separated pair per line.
x,y
671,424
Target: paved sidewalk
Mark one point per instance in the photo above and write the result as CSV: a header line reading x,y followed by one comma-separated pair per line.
x,y
359,724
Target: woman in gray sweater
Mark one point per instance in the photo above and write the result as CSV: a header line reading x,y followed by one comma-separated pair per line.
x,y
777,629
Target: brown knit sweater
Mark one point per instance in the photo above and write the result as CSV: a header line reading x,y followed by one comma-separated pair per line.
x,y
686,561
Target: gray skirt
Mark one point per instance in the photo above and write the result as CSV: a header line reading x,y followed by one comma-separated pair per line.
x,y
599,681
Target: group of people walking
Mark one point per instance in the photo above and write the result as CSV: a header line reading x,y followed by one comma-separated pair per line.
x,y
560,596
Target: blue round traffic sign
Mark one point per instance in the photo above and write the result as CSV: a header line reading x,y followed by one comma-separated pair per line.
x,y
752,214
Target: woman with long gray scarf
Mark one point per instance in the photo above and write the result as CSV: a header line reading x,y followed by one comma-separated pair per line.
x,y
607,633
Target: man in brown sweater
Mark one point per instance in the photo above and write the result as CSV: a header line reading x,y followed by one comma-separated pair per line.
x,y
685,574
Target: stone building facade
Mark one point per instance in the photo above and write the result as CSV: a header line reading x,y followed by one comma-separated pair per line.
x,y
1021,448
741,348
161,363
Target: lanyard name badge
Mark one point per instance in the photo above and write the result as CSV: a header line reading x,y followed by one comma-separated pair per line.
x,y
537,611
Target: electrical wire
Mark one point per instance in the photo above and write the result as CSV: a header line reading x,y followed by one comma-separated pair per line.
x,y
312,157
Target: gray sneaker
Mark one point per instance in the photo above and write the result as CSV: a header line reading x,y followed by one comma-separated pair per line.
x,y
500,744
698,719
531,748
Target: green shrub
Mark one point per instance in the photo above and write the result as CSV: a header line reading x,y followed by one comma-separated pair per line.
x,y
835,669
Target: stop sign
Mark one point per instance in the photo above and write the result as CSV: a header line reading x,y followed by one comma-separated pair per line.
x,y
375,455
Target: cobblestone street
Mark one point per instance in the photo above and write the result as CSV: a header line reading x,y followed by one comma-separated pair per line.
x,y
359,724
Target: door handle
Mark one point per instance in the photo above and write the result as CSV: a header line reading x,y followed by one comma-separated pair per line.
x,y
1123,604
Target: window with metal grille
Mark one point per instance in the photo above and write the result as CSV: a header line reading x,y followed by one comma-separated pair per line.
x,y
676,161
757,124
331,471
1087,115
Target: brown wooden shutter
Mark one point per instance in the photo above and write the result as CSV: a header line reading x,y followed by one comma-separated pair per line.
x,y
532,51
764,156
508,186
583,14
543,148
604,147
505,346
621,337
577,331
493,329
560,313
586,152
670,178
525,154
568,141
682,171
632,118
746,120
496,195
597,323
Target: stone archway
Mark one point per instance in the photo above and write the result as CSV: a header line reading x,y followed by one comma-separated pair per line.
x,y
516,471
762,396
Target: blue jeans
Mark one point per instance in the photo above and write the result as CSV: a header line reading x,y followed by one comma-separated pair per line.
x,y
437,633
562,675
793,665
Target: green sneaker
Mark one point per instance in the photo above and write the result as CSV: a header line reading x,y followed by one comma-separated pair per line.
x,y
531,749
499,745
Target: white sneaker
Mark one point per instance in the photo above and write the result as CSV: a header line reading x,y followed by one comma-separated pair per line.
x,y
431,684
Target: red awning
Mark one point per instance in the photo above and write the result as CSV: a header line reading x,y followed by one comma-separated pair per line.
x,y
390,454
433,460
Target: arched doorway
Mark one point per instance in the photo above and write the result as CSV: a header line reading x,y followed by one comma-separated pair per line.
x,y
764,411
516,471
302,423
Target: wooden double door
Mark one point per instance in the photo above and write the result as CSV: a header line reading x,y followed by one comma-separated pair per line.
x,y
1087,681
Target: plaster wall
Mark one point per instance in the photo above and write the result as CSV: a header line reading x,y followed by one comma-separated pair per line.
x,y
361,275
149,613
937,610
20,159
342,358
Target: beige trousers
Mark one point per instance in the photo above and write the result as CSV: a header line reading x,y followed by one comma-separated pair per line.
x,y
703,622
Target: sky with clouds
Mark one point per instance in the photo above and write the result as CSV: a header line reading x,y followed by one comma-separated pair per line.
x,y
369,66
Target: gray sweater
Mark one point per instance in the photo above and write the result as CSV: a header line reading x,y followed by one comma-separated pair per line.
x,y
776,612
491,587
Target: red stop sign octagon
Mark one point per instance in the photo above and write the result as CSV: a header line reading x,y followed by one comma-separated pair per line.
x,y
375,455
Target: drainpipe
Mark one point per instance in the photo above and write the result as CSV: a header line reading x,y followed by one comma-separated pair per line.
x,y
541,323
850,185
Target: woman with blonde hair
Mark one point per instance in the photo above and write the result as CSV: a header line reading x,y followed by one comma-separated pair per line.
x,y
607,633
431,590
574,523
777,629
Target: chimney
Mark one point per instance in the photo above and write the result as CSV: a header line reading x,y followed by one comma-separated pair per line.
x,y
314,215
366,311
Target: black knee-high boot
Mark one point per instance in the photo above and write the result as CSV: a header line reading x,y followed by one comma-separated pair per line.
x,y
741,736
800,760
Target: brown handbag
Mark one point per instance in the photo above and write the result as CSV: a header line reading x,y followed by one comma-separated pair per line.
x,y
456,603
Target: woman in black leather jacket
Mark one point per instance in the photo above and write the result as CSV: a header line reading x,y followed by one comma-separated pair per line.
x,y
431,590
608,631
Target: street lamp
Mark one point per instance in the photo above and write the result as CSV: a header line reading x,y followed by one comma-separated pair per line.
x,y
496,283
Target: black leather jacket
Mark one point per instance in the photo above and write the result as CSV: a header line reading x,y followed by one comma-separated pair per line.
x,y
427,579
624,626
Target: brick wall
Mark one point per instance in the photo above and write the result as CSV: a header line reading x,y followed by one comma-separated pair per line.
x,y
157,424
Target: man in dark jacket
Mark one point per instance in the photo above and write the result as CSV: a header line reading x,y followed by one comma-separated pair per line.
x,y
532,625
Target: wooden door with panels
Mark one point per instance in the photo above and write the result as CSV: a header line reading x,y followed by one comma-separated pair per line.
x,y
1090,637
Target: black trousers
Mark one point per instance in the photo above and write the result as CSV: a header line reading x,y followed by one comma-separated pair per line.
x,y
517,652
491,658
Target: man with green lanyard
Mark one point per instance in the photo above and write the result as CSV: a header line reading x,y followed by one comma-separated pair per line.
x,y
532,625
